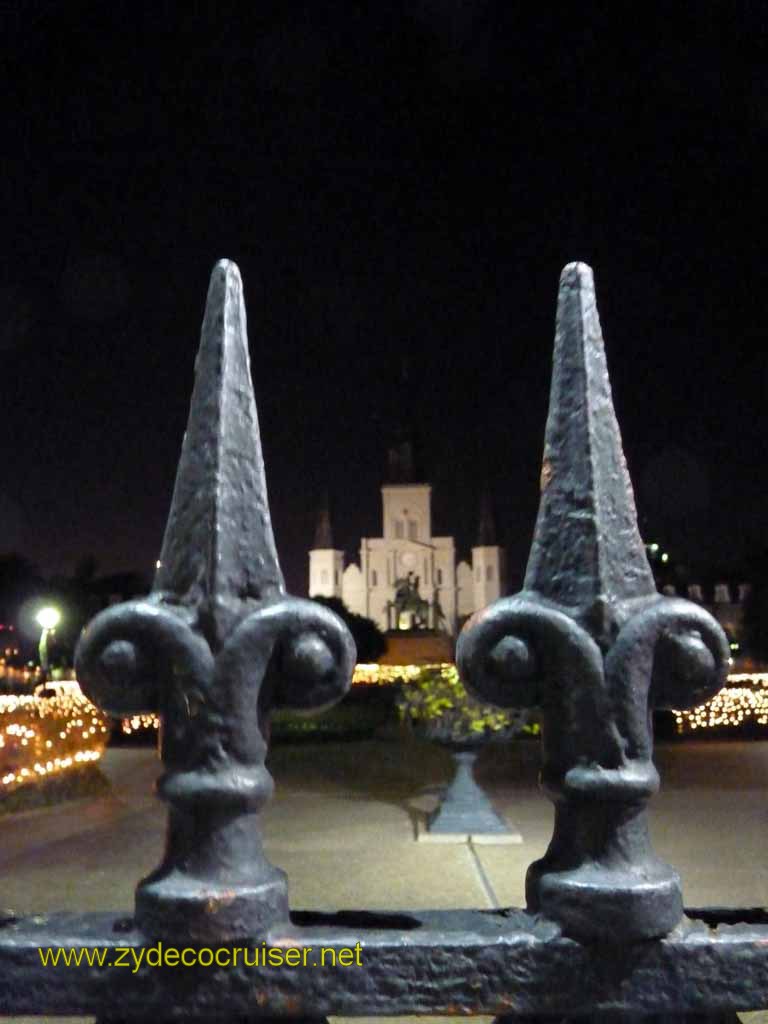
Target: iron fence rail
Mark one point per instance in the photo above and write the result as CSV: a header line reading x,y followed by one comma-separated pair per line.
x,y
431,962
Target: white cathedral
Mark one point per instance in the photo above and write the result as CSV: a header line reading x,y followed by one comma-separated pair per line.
x,y
408,578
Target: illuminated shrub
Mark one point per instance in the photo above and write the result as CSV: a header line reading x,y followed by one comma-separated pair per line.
x,y
44,736
437,704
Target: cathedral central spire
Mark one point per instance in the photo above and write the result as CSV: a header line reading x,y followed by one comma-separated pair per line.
x,y
403,462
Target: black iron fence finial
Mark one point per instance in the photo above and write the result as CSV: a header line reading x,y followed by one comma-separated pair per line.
x,y
590,641
213,649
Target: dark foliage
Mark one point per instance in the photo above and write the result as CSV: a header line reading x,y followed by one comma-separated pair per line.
x,y
19,579
369,639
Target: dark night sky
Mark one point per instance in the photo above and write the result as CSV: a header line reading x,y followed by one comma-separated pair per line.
x,y
392,178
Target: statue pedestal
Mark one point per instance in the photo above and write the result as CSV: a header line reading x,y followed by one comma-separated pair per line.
x,y
464,813
417,647
465,807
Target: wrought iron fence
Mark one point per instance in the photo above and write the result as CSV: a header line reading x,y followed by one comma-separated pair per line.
x,y
218,645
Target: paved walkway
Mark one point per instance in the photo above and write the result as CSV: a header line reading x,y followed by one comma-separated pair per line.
x,y
342,825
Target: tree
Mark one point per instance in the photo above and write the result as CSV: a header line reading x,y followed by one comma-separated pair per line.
x,y
369,639
19,581
756,610
85,570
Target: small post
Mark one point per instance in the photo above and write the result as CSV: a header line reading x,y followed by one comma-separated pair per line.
x,y
591,642
216,646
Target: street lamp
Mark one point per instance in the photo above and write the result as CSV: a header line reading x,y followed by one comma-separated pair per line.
x,y
47,619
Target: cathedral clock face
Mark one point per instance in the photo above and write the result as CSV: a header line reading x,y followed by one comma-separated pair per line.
x,y
408,560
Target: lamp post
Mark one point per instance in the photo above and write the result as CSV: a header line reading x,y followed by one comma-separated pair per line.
x,y
48,619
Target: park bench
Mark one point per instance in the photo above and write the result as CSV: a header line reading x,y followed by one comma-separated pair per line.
x,y
218,644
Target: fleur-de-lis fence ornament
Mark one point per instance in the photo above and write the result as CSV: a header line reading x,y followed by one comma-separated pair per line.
x,y
214,648
591,642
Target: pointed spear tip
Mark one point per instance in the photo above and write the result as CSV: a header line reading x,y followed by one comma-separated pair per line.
x,y
224,317
225,286
577,281
578,272
218,546
227,269
586,543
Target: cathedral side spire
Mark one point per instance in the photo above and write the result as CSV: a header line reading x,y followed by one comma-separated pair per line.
x,y
487,557
326,562
486,526
323,531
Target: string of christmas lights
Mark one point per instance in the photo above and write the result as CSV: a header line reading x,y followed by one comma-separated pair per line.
x,y
139,723
744,699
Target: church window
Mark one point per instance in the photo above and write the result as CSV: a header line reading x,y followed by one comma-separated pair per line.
x,y
439,577
323,575
399,529
374,578
489,572
413,530
336,577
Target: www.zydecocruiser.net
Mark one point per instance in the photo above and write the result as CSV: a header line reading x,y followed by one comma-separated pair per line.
x,y
160,955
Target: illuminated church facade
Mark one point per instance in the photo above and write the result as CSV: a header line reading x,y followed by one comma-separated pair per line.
x,y
407,578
